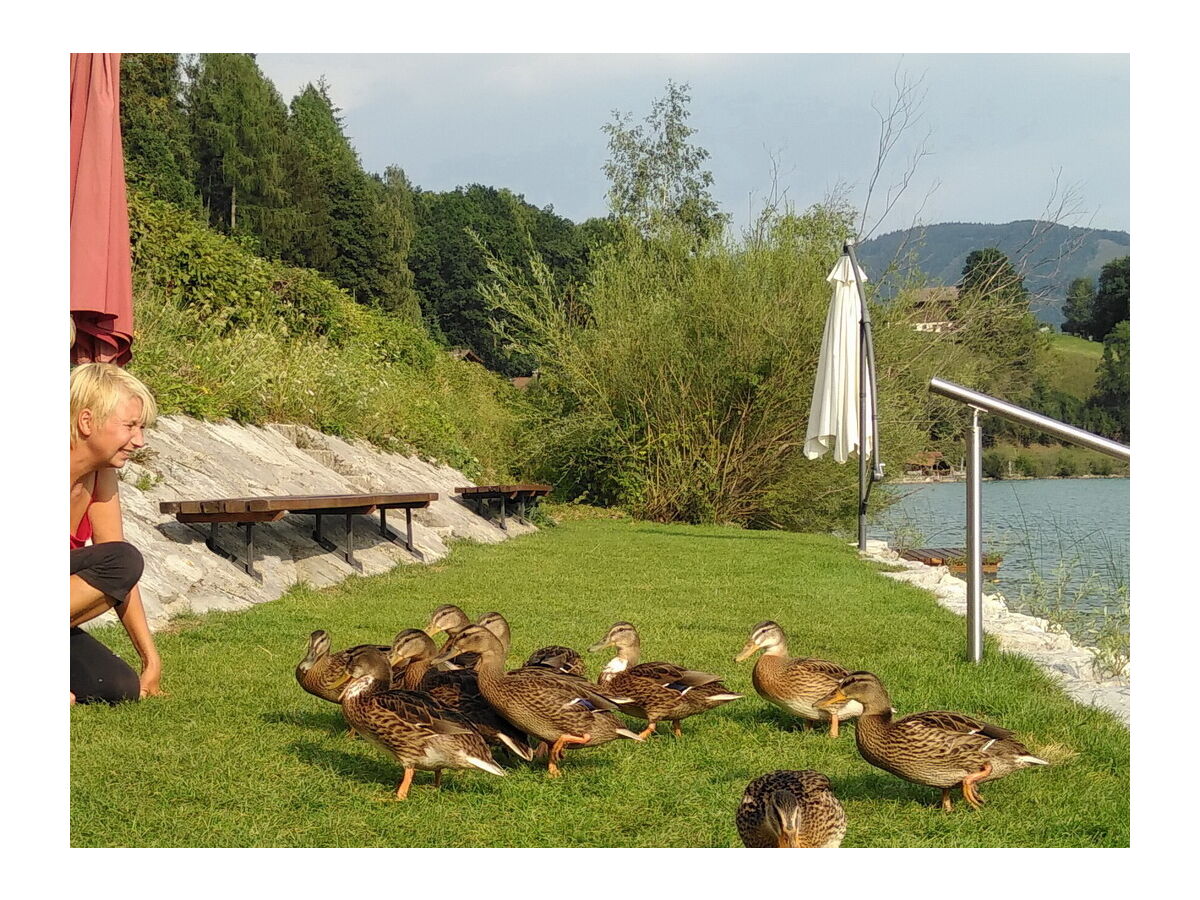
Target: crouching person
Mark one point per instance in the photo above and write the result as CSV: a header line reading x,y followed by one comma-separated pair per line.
x,y
110,409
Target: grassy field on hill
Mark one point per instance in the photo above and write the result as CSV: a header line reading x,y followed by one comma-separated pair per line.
x,y
239,755
1073,368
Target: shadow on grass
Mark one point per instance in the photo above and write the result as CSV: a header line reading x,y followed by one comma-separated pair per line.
x,y
878,786
372,769
331,722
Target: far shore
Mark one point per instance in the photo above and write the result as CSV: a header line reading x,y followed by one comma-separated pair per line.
x,y
953,479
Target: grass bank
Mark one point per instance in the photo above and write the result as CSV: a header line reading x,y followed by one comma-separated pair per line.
x,y
238,755
1074,363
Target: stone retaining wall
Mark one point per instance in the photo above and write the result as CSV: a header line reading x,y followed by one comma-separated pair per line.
x,y
1069,664
189,459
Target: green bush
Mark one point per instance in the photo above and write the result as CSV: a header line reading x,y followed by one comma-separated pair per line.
x,y
222,333
994,464
1066,465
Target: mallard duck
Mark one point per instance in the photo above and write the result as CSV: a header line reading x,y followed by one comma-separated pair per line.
x,y
795,685
657,690
412,651
938,749
450,619
324,674
416,729
789,808
559,709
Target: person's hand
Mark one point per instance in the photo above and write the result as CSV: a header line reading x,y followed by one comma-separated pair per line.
x,y
151,672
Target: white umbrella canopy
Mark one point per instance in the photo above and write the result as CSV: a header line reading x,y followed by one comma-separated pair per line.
x,y
833,416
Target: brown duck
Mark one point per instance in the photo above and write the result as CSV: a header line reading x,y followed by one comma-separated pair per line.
x,y
412,652
656,690
413,727
938,749
795,684
559,709
789,808
324,674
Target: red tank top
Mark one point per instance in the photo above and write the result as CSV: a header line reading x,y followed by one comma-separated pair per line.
x,y
83,531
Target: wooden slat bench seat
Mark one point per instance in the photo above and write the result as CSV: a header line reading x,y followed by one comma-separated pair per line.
x,y
250,511
519,493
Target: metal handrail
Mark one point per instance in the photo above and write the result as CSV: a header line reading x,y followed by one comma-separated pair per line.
x,y
1024,416
988,404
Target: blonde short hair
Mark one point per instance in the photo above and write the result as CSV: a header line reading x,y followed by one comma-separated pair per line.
x,y
100,387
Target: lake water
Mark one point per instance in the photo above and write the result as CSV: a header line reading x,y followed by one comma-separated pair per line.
x,y
1073,533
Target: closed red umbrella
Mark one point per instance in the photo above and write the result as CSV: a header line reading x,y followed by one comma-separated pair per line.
x,y
101,279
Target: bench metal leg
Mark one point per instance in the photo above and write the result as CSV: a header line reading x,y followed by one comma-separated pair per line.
x,y
504,513
246,564
521,511
407,541
348,553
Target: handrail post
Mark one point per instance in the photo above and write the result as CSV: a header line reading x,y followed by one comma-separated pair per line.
x,y
975,539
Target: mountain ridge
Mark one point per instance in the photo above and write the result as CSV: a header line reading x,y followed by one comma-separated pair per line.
x,y
1049,256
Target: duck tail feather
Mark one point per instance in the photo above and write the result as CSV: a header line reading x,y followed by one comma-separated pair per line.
x,y
485,765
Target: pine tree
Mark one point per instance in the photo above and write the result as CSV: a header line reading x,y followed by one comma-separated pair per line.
x,y
1078,310
154,129
238,123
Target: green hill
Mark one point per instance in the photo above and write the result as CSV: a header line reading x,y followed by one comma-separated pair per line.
x,y
1074,364
1049,256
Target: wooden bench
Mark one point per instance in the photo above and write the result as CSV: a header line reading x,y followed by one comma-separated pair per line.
x,y
520,493
250,511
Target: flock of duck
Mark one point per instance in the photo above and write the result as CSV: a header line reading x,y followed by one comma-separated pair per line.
x,y
442,708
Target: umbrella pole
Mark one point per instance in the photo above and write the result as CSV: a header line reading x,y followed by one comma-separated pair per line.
x,y
866,370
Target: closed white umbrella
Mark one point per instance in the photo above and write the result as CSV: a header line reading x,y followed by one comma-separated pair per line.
x,y
833,417
842,415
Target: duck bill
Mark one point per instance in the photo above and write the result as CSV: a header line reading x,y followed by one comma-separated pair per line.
x,y
835,698
596,648
748,651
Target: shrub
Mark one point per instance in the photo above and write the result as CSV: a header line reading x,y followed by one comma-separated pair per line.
x,y
1066,465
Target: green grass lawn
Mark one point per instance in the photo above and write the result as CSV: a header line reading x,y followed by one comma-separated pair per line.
x,y
1075,362
239,755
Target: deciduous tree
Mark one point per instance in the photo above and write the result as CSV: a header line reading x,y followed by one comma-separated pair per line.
x,y
656,175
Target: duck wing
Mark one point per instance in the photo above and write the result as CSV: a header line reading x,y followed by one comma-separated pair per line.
x,y
421,710
669,675
822,667
959,723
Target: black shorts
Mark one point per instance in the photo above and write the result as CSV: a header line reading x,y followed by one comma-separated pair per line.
x,y
113,568
98,674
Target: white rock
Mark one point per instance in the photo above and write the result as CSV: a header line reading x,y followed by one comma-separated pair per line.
x,y
1068,664
193,460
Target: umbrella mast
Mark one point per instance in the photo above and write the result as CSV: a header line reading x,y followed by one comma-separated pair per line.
x,y
866,370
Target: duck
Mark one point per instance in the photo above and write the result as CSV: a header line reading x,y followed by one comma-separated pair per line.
x,y
324,674
413,727
656,690
795,685
937,749
412,651
790,808
557,709
450,619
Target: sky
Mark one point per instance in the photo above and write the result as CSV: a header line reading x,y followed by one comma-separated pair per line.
x,y
1006,136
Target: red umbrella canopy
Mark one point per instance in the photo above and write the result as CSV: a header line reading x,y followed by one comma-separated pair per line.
x,y
101,279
